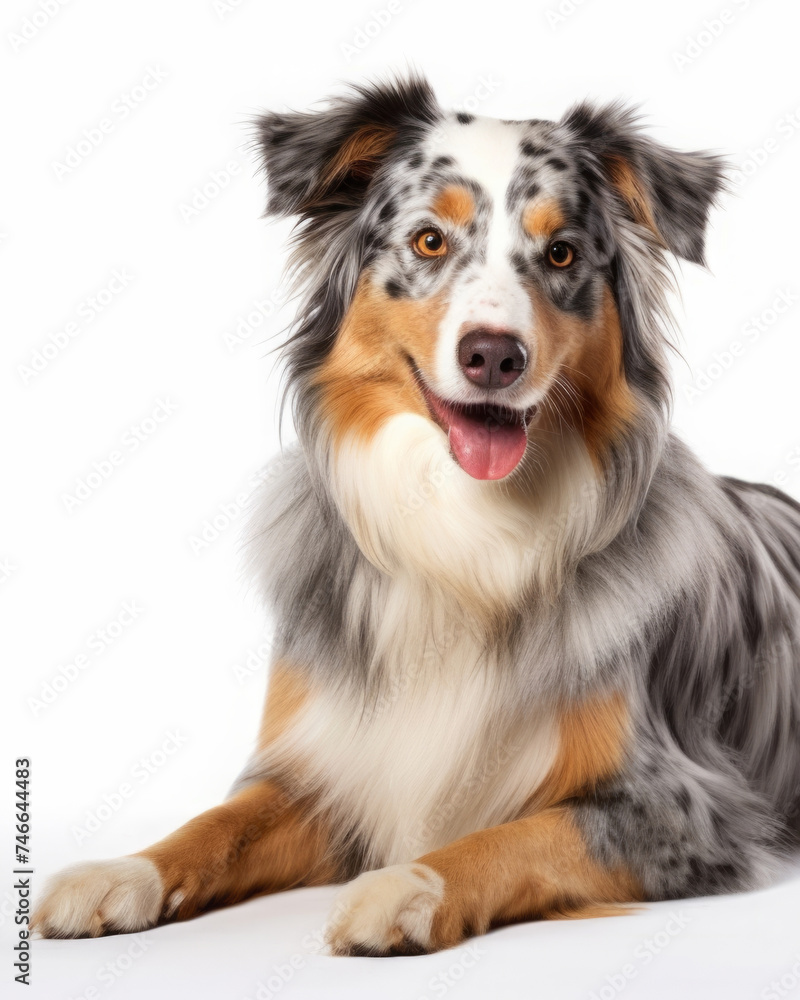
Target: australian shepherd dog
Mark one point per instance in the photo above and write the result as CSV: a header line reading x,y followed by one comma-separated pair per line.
x,y
532,659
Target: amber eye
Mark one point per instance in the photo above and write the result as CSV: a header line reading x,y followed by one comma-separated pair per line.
x,y
429,243
560,254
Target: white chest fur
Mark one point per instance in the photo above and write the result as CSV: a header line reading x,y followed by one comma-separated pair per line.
x,y
413,510
438,754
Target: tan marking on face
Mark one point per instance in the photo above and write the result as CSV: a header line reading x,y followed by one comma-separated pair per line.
x,y
287,692
366,378
542,218
593,736
360,155
538,866
587,357
455,204
624,178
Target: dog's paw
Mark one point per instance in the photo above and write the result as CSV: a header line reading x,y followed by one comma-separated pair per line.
x,y
100,897
387,912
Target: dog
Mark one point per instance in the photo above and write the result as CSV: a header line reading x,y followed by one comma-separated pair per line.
x,y
533,660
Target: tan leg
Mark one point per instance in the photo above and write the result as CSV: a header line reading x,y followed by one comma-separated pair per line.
x,y
258,841
533,867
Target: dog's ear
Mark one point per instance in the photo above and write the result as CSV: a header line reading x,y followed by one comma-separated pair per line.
x,y
668,191
320,160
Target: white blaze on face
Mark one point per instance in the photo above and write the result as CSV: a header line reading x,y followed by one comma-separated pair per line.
x,y
489,292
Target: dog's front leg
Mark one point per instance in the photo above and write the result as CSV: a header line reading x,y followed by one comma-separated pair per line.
x,y
533,867
257,841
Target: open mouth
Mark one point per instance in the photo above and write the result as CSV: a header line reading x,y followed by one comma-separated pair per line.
x,y
487,440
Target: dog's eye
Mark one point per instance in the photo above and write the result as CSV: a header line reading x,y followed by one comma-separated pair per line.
x,y
560,254
429,243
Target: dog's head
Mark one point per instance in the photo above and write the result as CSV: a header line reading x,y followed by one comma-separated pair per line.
x,y
497,278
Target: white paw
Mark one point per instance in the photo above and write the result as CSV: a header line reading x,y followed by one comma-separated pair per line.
x,y
385,912
98,897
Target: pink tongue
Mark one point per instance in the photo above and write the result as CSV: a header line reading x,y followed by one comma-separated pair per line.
x,y
486,449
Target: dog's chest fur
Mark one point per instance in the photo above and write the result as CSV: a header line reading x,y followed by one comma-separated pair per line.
x,y
437,753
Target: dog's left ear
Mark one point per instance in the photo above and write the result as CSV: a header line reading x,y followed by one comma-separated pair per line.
x,y
321,161
668,191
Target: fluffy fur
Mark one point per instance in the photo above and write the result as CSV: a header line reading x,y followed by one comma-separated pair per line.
x,y
557,690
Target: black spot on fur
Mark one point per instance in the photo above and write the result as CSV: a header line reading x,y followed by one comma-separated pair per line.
x,y
464,119
582,300
684,799
519,263
590,176
584,206
529,148
376,244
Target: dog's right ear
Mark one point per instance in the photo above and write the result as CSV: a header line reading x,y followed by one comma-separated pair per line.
x,y
320,161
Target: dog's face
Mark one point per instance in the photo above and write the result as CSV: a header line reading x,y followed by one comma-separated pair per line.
x,y
480,339
474,268
486,301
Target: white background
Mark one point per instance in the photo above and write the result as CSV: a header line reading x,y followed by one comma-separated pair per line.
x,y
193,278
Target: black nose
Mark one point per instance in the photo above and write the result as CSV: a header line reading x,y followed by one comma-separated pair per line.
x,y
491,359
